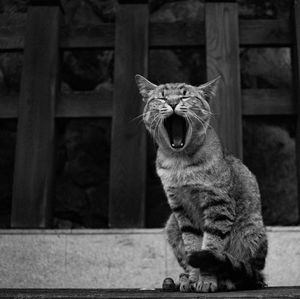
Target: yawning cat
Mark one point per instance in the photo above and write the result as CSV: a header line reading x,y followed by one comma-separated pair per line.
x,y
216,228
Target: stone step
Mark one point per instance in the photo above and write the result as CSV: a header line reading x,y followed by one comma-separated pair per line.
x,y
136,258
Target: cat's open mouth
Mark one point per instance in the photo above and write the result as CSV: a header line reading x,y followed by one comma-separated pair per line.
x,y
176,127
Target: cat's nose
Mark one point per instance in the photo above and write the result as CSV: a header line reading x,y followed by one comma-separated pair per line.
x,y
173,105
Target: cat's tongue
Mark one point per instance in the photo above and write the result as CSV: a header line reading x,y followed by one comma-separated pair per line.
x,y
176,129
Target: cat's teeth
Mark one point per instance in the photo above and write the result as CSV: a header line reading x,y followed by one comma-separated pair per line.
x,y
181,144
173,144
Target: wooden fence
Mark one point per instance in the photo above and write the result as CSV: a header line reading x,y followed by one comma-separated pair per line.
x,y
131,36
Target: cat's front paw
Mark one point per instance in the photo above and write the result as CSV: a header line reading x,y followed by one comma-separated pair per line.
x,y
184,283
205,284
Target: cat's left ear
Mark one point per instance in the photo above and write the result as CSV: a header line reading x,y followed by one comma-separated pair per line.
x,y
209,89
145,86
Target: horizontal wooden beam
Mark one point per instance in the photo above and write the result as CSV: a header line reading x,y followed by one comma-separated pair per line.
x,y
265,33
268,102
47,3
90,104
93,37
182,34
77,105
178,34
12,37
85,105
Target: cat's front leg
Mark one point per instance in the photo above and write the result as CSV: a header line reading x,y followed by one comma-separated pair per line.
x,y
207,281
192,241
176,238
219,215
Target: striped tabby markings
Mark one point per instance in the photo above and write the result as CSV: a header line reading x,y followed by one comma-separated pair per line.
x,y
216,231
218,201
220,217
192,230
177,209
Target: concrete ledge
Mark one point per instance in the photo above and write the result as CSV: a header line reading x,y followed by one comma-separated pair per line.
x,y
117,258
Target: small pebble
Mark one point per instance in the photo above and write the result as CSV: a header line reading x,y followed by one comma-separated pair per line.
x,y
169,285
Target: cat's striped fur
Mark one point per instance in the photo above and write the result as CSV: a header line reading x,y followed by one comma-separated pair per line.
x,y
216,228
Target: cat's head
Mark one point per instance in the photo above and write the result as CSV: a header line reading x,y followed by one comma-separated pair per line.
x,y
176,113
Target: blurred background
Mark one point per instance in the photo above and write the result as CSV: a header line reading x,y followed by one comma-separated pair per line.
x,y
83,145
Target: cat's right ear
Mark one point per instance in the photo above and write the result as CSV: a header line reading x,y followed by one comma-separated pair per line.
x,y
209,89
145,86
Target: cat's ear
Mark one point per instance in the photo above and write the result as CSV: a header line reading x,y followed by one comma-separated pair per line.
x,y
145,86
209,89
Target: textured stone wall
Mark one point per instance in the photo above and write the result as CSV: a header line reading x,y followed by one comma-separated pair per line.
x,y
83,145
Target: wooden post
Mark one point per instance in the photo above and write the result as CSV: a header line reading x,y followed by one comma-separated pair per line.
x,y
128,148
296,73
222,58
33,174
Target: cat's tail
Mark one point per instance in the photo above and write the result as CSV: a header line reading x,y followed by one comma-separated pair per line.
x,y
244,274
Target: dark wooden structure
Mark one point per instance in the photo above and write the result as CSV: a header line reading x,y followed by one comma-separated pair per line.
x,y
131,36
33,175
128,166
287,292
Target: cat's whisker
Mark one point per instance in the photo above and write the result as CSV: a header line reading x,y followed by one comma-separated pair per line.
x,y
212,115
190,123
204,124
154,125
199,119
140,118
194,115
141,115
157,128
154,120
208,112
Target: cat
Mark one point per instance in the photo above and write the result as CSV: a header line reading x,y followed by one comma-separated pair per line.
x,y
216,228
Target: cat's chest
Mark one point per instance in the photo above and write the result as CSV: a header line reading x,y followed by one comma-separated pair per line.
x,y
175,173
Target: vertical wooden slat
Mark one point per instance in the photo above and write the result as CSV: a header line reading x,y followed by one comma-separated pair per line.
x,y
296,73
128,148
222,58
33,174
